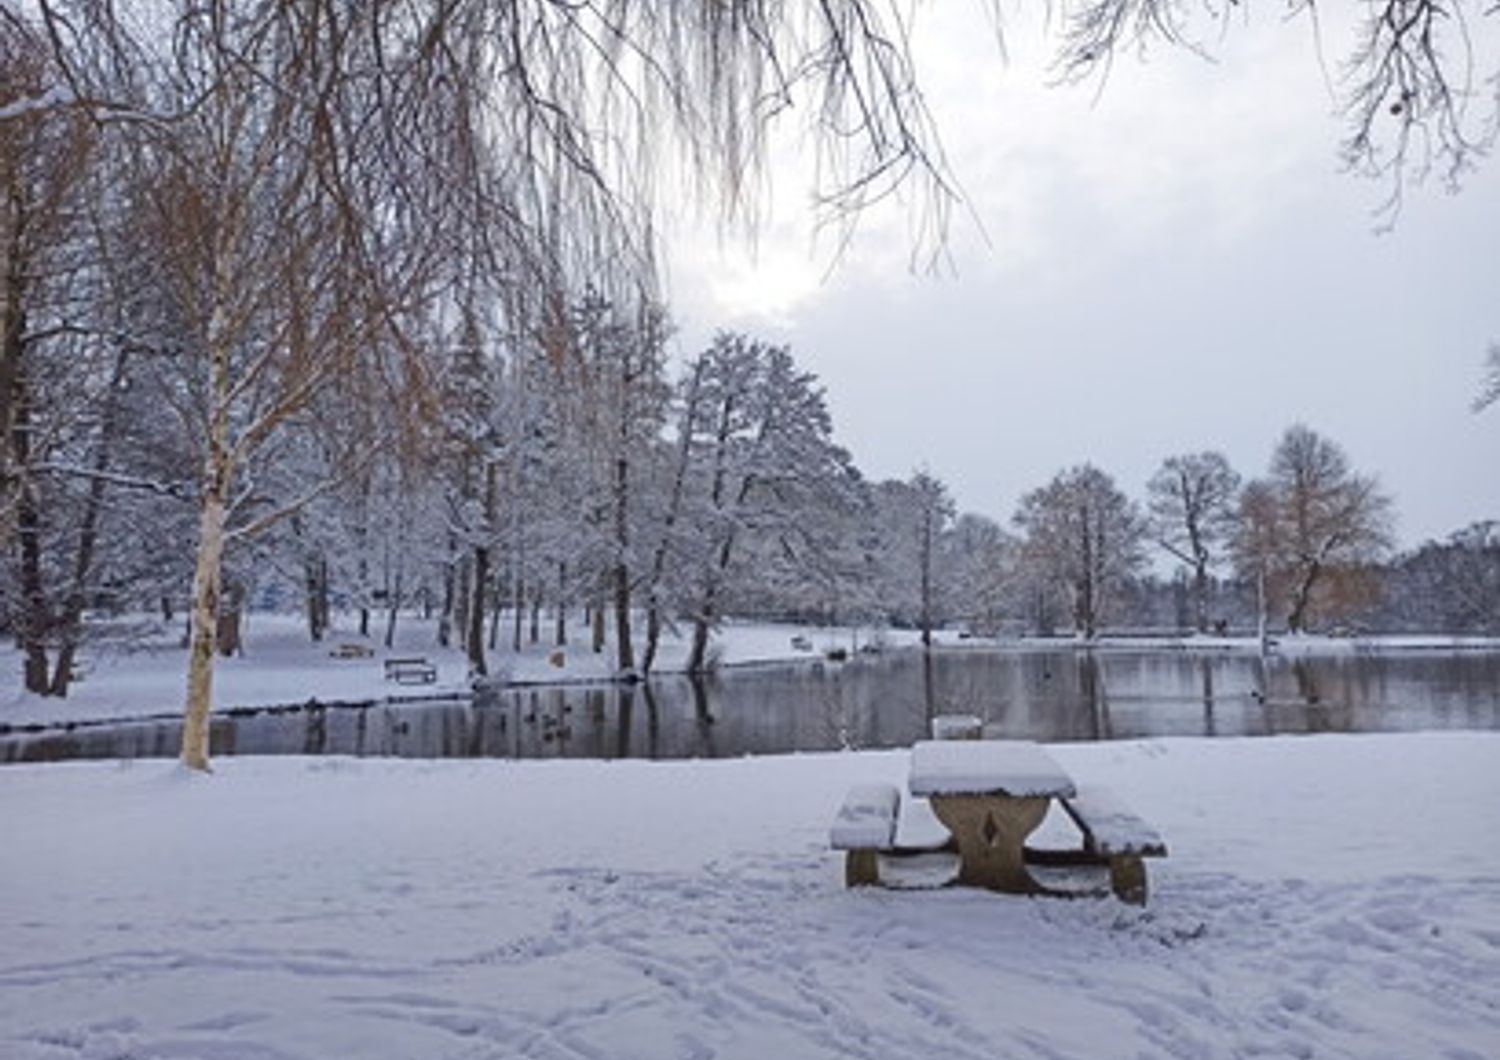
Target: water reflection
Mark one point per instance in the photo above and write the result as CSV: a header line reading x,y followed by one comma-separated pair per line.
x,y
880,701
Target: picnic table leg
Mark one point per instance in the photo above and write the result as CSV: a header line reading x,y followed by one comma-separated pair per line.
x,y
861,869
1127,878
991,834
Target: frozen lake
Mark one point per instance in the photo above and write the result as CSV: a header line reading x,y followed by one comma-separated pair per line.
x,y
869,702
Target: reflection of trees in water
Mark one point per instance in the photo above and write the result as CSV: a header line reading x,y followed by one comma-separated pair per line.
x,y
1092,694
653,721
626,709
702,716
1206,670
1309,688
1309,691
1329,692
869,702
834,715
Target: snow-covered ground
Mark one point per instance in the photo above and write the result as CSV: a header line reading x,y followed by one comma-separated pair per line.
x,y
280,665
1330,896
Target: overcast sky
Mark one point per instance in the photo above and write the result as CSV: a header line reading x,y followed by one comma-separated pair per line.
x,y
1179,265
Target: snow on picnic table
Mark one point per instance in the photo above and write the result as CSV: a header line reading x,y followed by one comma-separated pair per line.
x,y
1329,896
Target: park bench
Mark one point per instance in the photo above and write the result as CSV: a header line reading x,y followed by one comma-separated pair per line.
x,y
352,651
1113,835
410,671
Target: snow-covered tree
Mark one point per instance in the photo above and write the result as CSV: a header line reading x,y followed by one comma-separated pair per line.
x,y
1191,511
65,365
1082,532
978,562
621,397
1450,586
764,455
911,518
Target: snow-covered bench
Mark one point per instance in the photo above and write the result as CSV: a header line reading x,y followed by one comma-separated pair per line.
x,y
410,671
1114,835
865,827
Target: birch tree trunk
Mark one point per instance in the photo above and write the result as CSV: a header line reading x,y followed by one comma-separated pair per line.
x,y
208,577
205,615
208,573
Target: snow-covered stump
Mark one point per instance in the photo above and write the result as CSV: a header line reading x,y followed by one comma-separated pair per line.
x,y
957,727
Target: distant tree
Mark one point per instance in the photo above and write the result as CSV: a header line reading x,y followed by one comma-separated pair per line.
x,y
978,560
911,519
1450,586
1256,546
934,509
1082,532
1191,505
1331,522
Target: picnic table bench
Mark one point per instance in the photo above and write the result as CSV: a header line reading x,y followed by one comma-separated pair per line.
x,y
866,828
410,670
1113,834
991,795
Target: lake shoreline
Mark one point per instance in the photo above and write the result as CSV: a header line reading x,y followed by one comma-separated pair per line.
x,y
1050,692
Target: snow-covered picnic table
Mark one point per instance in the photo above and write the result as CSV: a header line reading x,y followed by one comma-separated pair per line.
x,y
991,795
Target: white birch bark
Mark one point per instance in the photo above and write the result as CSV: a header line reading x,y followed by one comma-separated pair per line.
x,y
218,470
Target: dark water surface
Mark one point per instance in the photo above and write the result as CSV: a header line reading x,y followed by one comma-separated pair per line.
x,y
870,701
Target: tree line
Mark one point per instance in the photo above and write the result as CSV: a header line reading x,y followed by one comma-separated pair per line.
x,y
598,497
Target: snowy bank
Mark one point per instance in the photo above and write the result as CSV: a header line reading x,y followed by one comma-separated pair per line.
x,y
1329,896
280,665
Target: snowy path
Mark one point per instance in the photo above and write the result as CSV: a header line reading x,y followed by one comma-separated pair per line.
x,y
297,908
